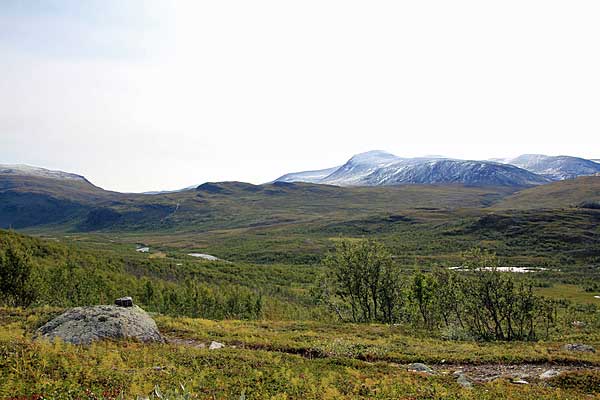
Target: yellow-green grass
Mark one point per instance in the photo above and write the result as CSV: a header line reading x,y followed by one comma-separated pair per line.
x,y
376,342
110,370
555,195
573,293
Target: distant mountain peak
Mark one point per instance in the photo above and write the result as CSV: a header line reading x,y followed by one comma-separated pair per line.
x,y
27,170
372,157
556,167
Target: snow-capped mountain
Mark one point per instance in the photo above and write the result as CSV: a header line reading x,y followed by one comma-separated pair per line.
x,y
443,171
556,167
376,168
26,170
307,176
355,170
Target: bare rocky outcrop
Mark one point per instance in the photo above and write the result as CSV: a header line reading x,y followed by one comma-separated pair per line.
x,y
84,325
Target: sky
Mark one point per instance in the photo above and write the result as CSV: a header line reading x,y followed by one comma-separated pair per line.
x,y
144,95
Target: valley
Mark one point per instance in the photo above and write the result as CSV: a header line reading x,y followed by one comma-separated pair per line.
x,y
243,265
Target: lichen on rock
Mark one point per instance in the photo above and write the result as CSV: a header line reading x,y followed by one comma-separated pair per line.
x,y
84,325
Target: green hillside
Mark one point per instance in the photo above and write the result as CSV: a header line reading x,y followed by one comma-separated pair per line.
x,y
79,206
296,223
562,194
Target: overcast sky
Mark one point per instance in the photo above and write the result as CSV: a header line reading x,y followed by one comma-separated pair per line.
x,y
147,95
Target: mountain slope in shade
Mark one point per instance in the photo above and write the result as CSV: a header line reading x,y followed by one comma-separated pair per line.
x,y
37,196
307,176
556,167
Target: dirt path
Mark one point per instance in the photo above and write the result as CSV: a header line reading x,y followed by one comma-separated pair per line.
x,y
527,372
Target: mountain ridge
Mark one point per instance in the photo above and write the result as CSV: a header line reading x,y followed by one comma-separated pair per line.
x,y
77,206
378,167
556,168
375,168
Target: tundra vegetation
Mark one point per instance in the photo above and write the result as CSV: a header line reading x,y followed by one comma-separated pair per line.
x,y
344,327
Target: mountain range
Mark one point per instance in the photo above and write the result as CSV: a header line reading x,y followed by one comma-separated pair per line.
x,y
380,168
368,183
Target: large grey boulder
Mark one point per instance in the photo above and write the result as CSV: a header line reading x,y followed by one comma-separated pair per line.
x,y
83,325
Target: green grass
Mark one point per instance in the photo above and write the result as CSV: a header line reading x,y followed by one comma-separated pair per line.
x,y
567,193
573,293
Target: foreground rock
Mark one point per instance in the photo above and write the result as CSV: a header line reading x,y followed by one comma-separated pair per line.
x,y
578,347
84,325
215,346
463,380
549,374
419,367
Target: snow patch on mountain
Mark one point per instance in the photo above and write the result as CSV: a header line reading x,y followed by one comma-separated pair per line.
x,y
556,167
27,170
359,167
307,176
445,171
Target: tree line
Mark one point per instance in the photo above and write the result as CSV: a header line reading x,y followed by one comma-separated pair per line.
x,y
361,282
35,273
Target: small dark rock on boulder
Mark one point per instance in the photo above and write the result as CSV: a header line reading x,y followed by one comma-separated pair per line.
x,y
124,302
